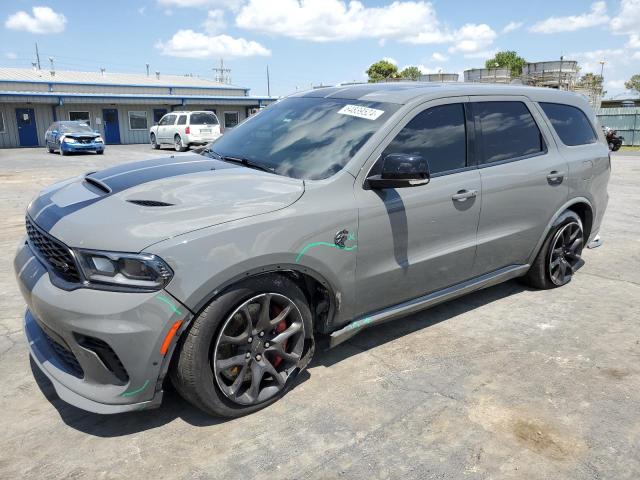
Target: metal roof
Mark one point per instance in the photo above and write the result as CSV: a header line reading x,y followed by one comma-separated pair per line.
x,y
97,78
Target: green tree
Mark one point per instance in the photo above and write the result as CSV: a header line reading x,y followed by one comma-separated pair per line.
x,y
411,73
382,70
633,83
507,59
592,81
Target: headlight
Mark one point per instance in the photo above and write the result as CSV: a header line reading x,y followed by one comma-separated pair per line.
x,y
69,140
98,140
127,271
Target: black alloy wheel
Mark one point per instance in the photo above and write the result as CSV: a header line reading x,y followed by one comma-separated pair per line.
x,y
565,253
258,347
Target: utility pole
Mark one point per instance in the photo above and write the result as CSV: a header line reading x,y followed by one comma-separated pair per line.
x,y
223,75
37,56
560,73
268,83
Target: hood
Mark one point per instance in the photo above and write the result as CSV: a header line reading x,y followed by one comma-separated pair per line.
x,y
129,207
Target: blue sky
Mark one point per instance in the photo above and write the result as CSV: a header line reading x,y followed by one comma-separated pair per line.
x,y
307,42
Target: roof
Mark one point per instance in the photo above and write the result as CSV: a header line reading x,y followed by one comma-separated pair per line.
x,y
108,78
407,92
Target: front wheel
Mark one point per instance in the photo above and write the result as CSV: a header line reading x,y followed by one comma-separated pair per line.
x,y
560,255
616,147
154,143
244,350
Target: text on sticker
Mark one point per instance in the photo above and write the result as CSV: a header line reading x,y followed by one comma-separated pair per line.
x,y
361,112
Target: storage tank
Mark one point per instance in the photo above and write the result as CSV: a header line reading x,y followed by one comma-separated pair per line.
x,y
488,75
555,74
439,77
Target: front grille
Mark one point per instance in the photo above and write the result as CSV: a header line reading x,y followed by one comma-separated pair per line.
x,y
106,354
66,356
55,253
84,140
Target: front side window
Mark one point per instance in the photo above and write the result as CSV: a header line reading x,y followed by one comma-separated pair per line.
x,y
305,137
80,117
138,121
438,134
570,123
508,131
230,119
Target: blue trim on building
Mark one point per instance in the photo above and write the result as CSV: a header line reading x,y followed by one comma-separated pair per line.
x,y
50,83
135,96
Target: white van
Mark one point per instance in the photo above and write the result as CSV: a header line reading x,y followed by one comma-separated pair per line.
x,y
183,129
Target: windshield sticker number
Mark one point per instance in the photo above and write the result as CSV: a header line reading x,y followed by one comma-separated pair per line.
x,y
360,112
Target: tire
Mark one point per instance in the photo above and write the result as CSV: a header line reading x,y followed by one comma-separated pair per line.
x,y
562,261
51,150
177,144
99,152
62,152
616,147
204,350
155,145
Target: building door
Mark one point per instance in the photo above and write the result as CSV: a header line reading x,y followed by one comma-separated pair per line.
x,y
111,125
27,130
158,113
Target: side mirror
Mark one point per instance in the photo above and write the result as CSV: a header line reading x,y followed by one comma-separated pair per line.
x,y
401,170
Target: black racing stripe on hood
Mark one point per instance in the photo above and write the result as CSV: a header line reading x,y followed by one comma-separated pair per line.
x,y
46,214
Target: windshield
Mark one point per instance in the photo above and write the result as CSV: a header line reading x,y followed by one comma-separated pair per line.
x,y
75,127
302,137
203,119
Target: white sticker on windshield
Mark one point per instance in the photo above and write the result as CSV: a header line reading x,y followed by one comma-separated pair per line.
x,y
360,112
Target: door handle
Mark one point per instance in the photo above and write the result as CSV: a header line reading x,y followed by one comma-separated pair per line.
x,y
555,178
463,195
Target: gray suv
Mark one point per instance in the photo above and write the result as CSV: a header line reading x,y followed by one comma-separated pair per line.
x,y
328,212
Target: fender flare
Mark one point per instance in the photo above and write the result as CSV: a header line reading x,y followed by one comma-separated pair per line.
x,y
553,219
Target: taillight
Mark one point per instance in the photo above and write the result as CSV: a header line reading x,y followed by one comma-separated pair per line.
x,y
187,130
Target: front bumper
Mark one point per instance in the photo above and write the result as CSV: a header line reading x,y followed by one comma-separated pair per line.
x,y
82,147
100,349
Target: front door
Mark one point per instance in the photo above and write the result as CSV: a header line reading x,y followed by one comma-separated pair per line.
x,y
416,240
524,182
111,125
27,130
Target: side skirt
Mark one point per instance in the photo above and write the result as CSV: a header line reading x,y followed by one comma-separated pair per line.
x,y
427,301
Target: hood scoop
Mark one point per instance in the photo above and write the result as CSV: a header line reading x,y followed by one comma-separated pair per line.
x,y
100,185
150,203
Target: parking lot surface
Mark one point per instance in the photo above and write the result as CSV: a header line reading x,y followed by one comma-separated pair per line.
x,y
507,382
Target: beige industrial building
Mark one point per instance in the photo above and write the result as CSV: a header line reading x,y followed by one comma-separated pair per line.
x,y
121,106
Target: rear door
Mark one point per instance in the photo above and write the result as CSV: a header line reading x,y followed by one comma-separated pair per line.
x,y
524,180
412,241
27,129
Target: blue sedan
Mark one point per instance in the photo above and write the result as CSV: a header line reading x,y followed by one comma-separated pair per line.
x,y
73,136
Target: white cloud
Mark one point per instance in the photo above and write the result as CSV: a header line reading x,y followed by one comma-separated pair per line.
x,y
427,70
190,44
391,60
439,57
614,85
215,22
142,10
634,41
627,21
229,4
338,20
596,16
11,55
511,26
472,38
43,20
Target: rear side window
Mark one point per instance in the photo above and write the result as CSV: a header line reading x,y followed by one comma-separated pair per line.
x,y
570,123
508,131
438,134
203,119
182,120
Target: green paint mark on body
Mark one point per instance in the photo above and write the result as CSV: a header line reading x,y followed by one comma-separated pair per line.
x,y
135,392
168,301
323,244
359,323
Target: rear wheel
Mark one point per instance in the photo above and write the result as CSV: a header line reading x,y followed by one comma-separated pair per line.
x,y
244,350
154,143
560,255
178,145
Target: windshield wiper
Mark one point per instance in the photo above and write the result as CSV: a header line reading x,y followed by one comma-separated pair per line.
x,y
242,161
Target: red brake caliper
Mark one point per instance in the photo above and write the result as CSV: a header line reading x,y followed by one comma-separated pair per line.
x,y
281,327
